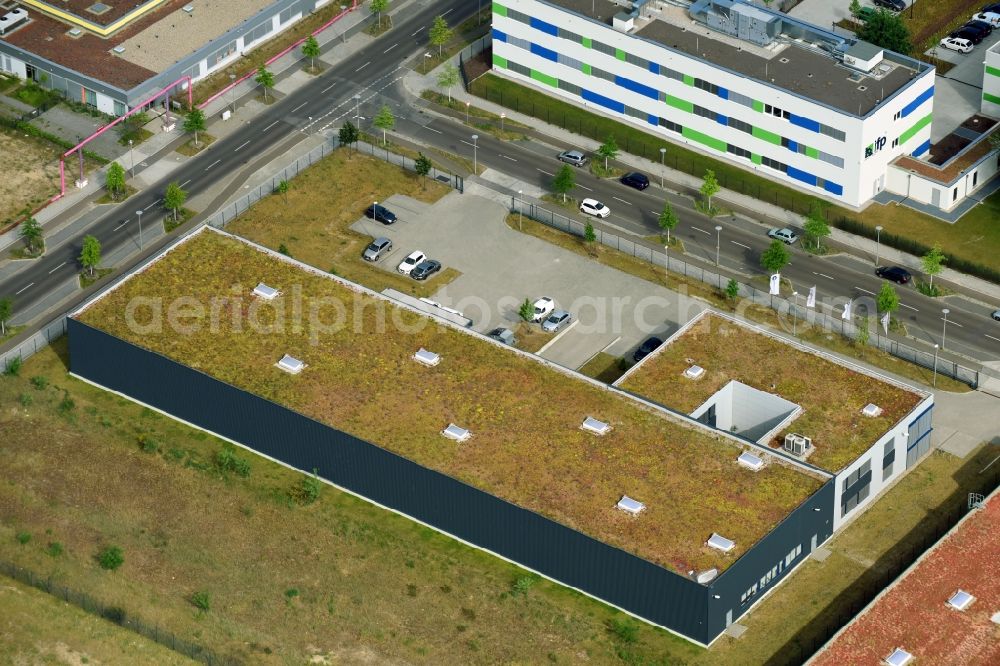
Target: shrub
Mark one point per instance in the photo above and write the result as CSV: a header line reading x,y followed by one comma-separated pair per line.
x,y
66,405
13,368
283,249
623,630
111,558
201,600
522,585
148,444
291,593
55,549
307,490
23,537
26,399
226,461
40,382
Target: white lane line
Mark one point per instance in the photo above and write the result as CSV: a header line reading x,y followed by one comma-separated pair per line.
x,y
865,290
212,164
707,233
185,182
622,200
328,87
432,129
950,323
271,125
299,107
910,307
545,172
467,143
991,337
507,157
584,187
363,66
822,275
391,47
418,31
120,225
241,146
23,288
151,205
740,244
447,12
57,268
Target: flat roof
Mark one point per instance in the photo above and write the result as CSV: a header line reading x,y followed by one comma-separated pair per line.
x,y
808,72
525,415
830,394
99,12
913,613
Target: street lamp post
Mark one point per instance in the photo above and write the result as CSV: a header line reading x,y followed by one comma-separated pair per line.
x,y
139,215
520,210
131,160
944,326
934,382
502,116
666,262
663,158
878,242
794,317
718,239
467,105
475,154
357,111
232,92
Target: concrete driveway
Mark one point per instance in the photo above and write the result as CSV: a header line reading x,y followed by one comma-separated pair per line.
x,y
501,267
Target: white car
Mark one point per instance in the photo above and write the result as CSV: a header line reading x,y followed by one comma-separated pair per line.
x,y
543,307
785,235
957,44
595,208
989,17
408,264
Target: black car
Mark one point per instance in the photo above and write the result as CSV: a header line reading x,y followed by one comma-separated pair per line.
x,y
982,26
894,274
995,8
646,348
895,5
380,214
968,33
636,180
425,269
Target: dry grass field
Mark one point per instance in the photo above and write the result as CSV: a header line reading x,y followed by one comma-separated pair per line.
x,y
31,173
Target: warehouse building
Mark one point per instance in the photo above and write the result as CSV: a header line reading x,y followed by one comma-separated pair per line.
x,y
755,87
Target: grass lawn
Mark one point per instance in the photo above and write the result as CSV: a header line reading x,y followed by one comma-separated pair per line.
x,y
313,221
931,21
107,198
189,149
87,278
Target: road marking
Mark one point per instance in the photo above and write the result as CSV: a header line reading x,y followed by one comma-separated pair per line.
x,y
865,290
212,164
953,323
328,87
363,66
185,182
707,233
447,12
57,268
23,288
507,157
909,307
242,145
469,144
622,200
546,172
822,275
991,337
419,30
151,205
584,187
120,225
271,125
391,47
740,244
299,106
433,130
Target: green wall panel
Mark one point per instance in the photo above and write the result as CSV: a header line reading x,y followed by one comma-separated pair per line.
x,y
499,9
545,78
919,125
499,61
705,139
770,137
679,103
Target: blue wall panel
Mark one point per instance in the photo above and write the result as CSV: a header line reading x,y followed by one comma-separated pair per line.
x,y
548,28
548,54
920,99
606,102
802,121
637,87
804,176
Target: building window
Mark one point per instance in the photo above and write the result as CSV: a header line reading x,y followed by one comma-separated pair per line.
x,y
286,16
954,194
89,97
975,178
120,108
888,459
855,488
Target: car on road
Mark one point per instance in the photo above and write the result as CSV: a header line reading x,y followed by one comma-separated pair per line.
x,y
543,308
785,235
865,14
957,44
894,274
574,157
993,18
556,320
380,214
595,208
378,247
894,5
425,269
504,335
996,315
646,348
970,34
407,265
635,179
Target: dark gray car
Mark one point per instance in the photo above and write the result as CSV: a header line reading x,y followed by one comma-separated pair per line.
x,y
378,248
425,269
574,157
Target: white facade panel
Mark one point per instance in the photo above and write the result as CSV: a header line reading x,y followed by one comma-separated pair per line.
x,y
991,82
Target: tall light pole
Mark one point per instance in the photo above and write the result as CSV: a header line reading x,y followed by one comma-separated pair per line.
x,y
467,105
663,158
878,242
475,154
520,210
944,326
357,111
138,214
666,262
794,318
502,116
232,92
131,160
718,239
934,382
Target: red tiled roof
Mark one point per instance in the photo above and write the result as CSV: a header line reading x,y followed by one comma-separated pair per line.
x,y
913,614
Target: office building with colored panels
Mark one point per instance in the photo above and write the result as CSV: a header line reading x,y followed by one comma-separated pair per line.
x,y
772,94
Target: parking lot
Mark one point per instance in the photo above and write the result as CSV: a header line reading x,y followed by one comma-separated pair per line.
x,y
500,267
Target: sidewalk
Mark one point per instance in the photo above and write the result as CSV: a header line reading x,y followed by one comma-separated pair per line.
x,y
684,184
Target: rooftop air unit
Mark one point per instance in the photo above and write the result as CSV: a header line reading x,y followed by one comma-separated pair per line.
x,y
456,433
961,600
591,424
265,292
694,372
796,444
291,365
750,461
12,19
428,358
872,410
720,542
630,506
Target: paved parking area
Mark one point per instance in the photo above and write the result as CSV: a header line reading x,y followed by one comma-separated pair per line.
x,y
501,267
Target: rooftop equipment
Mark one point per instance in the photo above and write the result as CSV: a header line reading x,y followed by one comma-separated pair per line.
x,y
265,292
899,657
750,461
12,19
720,542
797,445
591,424
291,364
694,372
631,506
961,600
427,358
706,576
872,410
456,433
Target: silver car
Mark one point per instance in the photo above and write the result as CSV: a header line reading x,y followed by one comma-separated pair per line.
x,y
378,248
574,157
556,320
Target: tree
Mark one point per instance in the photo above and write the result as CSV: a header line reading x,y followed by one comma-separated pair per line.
x,y
887,299
564,181
854,8
31,233
111,558
377,7
7,309
384,120
348,134
310,49
440,33
265,79
775,256
732,289
194,122
114,180
709,188
174,198
863,333
668,219
816,227
422,165
131,127
589,235
448,78
90,254
526,311
282,189
608,150
932,263
887,30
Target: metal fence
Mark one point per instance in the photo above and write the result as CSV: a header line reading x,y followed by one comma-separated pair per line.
x,y
28,348
799,314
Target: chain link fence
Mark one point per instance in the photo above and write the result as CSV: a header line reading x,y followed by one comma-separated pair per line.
x,y
797,311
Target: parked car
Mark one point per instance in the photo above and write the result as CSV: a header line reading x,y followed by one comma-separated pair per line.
x,y
996,315
894,5
993,18
425,269
646,348
380,214
556,320
595,208
574,157
407,265
985,28
543,308
894,274
785,235
994,7
957,44
635,179
378,247
504,335
865,14
970,34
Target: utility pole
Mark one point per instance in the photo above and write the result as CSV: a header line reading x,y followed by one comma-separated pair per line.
x,y
139,215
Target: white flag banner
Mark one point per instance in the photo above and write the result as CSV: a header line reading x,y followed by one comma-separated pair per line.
x,y
811,299
885,323
775,284
847,312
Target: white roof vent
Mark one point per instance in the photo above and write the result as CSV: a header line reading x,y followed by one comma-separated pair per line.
x,y
188,8
119,49
631,506
428,358
961,600
720,542
590,424
694,372
899,657
265,292
291,365
456,433
706,576
995,618
872,410
750,461
74,32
